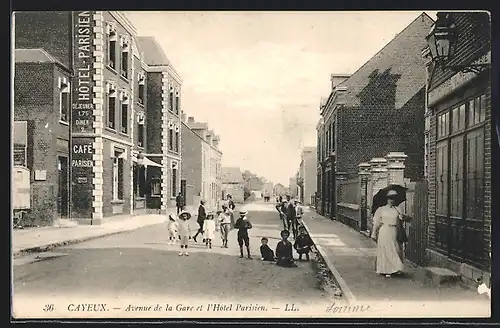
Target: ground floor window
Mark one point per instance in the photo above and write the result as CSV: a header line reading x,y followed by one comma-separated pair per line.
x,y
118,166
155,187
139,181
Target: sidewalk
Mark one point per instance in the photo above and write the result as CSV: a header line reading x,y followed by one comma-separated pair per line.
x,y
44,238
351,257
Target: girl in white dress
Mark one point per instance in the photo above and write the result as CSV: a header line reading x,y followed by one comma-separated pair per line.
x,y
389,251
209,230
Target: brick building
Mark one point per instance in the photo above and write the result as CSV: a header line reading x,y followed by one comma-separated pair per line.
x,y
307,175
102,133
201,164
41,131
232,183
378,109
459,148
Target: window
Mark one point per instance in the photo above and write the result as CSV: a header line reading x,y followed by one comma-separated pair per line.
x,y
171,99
118,175
141,90
64,100
174,179
140,129
460,160
111,91
125,49
124,112
176,142
177,102
477,110
155,187
112,38
171,138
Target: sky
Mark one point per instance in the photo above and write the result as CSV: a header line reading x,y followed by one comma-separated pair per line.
x,y
257,78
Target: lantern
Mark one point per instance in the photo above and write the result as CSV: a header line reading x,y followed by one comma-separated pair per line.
x,y
442,39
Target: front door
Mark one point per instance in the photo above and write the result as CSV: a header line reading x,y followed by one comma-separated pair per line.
x,y
183,190
62,190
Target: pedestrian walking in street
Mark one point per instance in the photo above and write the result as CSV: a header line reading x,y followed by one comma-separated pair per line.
x,y
173,228
303,243
284,251
266,253
231,206
385,231
243,225
290,215
202,214
179,203
209,229
184,232
225,224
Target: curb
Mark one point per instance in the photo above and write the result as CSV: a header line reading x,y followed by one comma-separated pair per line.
x,y
50,246
346,292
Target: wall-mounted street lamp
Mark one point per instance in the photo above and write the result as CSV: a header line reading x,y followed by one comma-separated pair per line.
x,y
140,159
442,42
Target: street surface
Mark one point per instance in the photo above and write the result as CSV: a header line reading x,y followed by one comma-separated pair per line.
x,y
141,264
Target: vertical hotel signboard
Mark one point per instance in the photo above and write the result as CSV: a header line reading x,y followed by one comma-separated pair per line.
x,y
82,115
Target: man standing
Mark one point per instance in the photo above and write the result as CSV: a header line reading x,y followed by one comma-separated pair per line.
x,y
179,202
202,215
231,207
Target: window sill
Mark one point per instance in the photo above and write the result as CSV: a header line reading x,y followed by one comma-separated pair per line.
x,y
140,198
141,104
110,129
156,196
111,69
123,134
123,78
117,202
63,122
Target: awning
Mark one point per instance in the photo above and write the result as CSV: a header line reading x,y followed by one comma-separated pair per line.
x,y
146,161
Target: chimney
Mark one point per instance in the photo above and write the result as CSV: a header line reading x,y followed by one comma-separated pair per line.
x,y
209,137
183,117
190,119
336,79
215,141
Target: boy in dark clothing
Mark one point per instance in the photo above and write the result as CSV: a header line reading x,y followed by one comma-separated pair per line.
x,y
202,215
303,243
243,225
284,251
266,252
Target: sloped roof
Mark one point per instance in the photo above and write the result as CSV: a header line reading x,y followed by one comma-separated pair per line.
x,y
231,175
153,53
399,65
33,56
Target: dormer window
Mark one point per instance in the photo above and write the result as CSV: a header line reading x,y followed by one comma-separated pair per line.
x,y
112,39
124,101
124,43
142,83
64,99
111,98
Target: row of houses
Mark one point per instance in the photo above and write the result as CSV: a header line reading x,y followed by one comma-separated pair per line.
x,y
417,113
99,125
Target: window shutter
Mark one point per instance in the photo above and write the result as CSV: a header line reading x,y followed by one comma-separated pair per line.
x,y
120,178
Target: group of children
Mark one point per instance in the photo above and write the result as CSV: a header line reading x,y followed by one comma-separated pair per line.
x,y
178,227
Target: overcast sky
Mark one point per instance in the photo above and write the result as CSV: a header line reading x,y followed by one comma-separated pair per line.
x,y
257,77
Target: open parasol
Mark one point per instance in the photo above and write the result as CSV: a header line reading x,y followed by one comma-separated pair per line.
x,y
380,198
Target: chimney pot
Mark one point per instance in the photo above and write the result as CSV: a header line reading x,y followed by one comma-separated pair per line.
x,y
191,119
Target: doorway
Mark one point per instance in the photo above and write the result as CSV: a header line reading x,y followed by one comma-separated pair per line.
x,y
62,190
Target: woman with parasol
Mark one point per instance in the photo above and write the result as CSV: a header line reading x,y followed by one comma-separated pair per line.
x,y
388,230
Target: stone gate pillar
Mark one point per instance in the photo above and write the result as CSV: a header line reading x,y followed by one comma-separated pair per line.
x,y
379,180
396,167
364,177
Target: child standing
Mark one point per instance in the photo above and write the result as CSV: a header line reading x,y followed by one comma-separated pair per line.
x,y
266,252
303,243
173,228
284,251
184,232
225,224
243,225
209,229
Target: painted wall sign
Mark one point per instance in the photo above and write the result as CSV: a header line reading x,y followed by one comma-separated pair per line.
x,y
82,95
81,172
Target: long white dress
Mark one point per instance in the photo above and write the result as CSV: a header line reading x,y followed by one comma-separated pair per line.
x,y
389,251
209,229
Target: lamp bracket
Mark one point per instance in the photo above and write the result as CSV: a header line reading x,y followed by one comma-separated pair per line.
x,y
471,68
